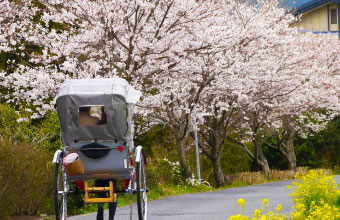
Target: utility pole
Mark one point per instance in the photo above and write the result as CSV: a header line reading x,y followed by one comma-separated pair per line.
x,y
196,144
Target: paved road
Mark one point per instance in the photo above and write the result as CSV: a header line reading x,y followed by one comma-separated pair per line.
x,y
212,205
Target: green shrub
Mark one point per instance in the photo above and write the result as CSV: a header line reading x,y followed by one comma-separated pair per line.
x,y
18,127
314,187
315,196
10,129
45,132
26,180
163,171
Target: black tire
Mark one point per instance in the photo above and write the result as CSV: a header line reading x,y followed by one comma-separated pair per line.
x,y
141,189
60,199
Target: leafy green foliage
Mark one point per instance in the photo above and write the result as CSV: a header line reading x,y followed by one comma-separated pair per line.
x,y
26,180
157,141
26,171
305,151
17,127
320,149
234,159
10,129
46,132
274,157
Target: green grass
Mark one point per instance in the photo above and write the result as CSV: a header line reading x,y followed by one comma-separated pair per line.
x,y
337,172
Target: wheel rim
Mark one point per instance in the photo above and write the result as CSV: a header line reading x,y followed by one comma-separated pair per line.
x,y
143,181
60,190
141,190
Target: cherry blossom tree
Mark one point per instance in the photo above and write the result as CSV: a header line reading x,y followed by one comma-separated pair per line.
x,y
257,75
239,64
225,75
282,74
144,42
314,104
311,85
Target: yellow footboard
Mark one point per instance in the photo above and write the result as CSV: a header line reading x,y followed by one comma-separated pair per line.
x,y
88,190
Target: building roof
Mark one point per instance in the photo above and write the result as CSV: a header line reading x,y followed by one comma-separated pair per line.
x,y
312,5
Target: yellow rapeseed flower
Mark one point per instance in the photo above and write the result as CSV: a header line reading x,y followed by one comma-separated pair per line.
x,y
314,195
278,208
257,213
241,202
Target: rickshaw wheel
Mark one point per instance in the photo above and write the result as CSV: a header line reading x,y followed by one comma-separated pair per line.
x,y
60,196
141,189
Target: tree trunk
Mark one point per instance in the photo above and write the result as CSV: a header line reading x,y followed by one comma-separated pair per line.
x,y
289,153
180,144
262,161
219,176
286,147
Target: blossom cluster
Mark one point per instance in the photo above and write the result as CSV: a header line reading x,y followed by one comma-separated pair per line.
x,y
208,54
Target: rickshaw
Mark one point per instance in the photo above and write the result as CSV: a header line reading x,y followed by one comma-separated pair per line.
x,y
96,121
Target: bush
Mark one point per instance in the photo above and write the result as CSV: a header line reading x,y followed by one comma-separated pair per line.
x,y
26,180
45,132
320,149
18,127
314,194
163,171
321,211
10,129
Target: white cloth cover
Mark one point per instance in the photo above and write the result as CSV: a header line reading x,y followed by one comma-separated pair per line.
x,y
76,92
117,86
